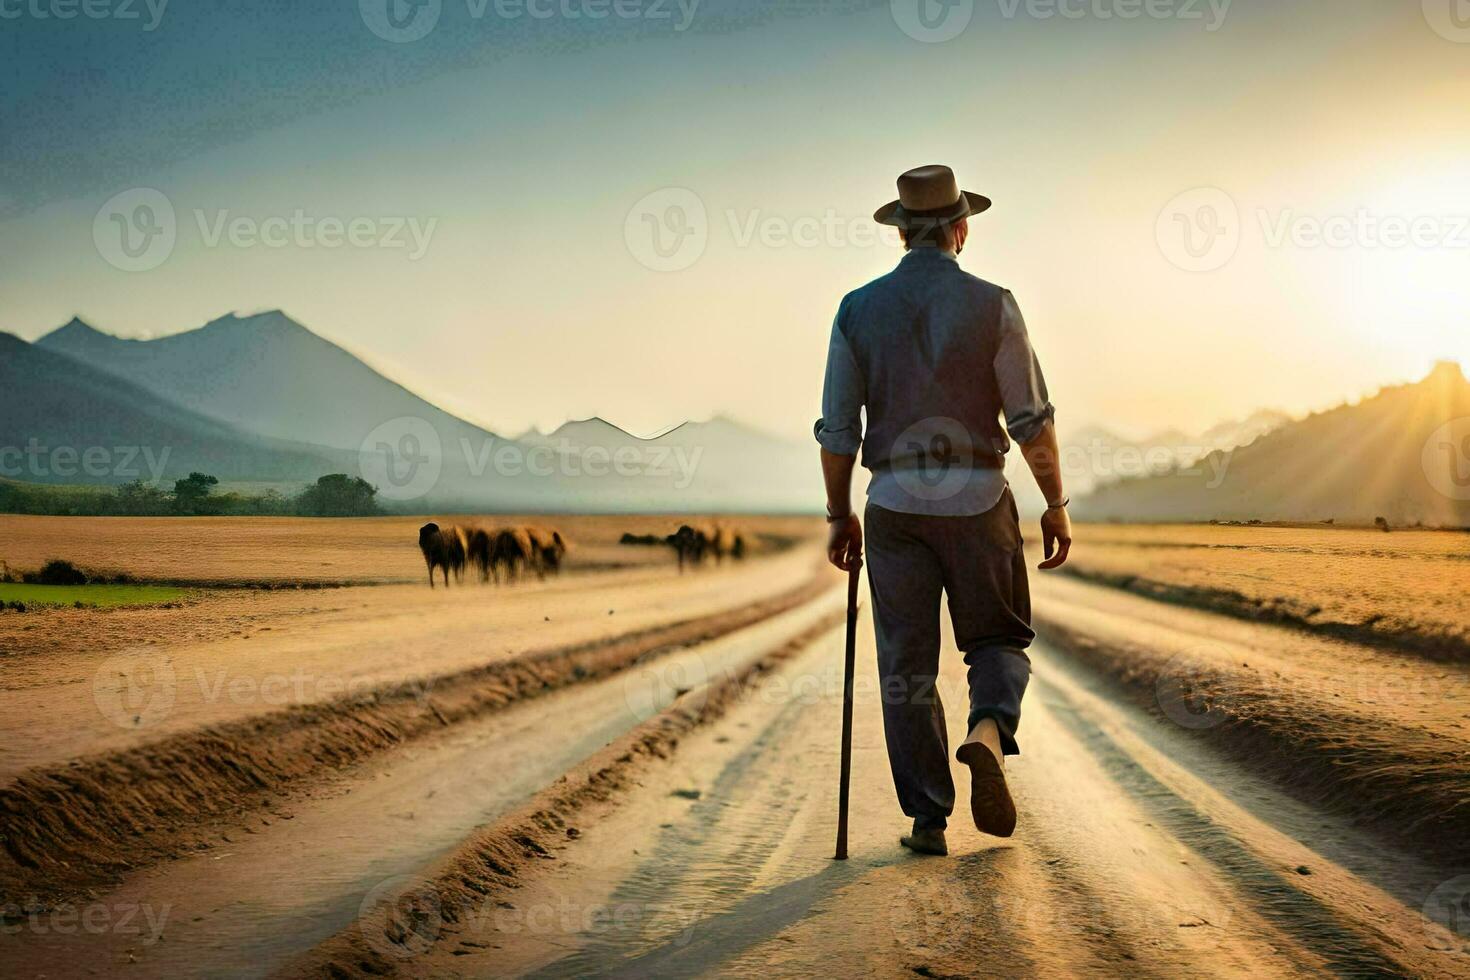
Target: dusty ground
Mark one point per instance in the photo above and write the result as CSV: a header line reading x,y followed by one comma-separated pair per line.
x,y
652,793
1409,589
1140,852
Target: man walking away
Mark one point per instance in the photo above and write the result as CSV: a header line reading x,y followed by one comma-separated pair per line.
x,y
936,356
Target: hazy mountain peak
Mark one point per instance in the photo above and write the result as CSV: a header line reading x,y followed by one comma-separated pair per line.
x,y
1371,458
77,329
591,421
77,323
581,430
272,320
1445,372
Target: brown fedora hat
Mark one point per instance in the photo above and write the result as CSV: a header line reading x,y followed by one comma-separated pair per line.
x,y
929,194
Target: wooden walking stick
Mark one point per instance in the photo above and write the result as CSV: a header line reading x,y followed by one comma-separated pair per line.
x,y
847,681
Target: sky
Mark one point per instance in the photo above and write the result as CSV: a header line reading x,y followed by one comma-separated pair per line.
x,y
649,211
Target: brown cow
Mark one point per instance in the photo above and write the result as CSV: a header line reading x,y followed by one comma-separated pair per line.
x,y
547,550
721,542
693,542
444,548
480,545
511,550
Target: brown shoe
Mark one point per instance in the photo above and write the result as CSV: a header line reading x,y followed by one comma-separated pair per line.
x,y
990,799
926,842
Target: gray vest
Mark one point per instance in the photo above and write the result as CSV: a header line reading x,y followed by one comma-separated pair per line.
x,y
924,338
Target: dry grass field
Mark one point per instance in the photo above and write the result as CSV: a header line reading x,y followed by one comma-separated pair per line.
x,y
1405,588
318,551
253,575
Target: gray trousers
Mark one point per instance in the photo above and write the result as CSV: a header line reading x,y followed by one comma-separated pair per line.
x,y
977,562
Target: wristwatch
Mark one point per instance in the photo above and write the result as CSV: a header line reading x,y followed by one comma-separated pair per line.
x,y
1064,503
834,518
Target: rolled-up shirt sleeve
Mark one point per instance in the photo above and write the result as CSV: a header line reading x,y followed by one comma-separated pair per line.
x,y
840,429
1018,375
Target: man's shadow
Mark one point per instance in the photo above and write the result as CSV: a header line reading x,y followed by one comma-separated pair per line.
x,y
708,942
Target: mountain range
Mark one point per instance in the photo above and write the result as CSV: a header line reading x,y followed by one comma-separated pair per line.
x,y
265,373
263,399
1402,454
64,421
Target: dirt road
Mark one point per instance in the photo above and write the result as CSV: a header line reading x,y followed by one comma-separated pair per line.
x,y
667,809
298,874
1140,851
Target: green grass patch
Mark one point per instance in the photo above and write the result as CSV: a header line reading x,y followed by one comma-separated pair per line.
x,y
100,596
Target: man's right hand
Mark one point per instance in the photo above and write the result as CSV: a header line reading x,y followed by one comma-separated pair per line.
x,y
845,542
1056,535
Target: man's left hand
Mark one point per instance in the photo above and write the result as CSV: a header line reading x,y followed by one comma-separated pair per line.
x,y
1056,536
845,543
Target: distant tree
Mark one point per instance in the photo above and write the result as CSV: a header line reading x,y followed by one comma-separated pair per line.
x,y
271,502
139,499
338,495
192,492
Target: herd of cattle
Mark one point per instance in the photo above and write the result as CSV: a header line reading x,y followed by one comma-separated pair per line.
x,y
694,543
512,551
492,552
